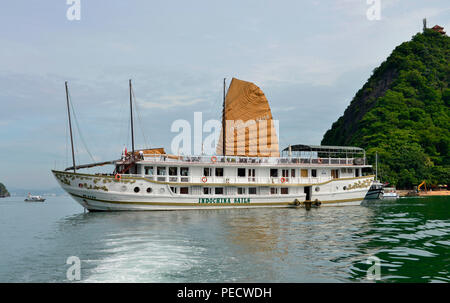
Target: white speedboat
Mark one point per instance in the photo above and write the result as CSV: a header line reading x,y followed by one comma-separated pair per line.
x,y
251,177
390,193
31,198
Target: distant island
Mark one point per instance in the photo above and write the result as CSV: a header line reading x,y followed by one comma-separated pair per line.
x,y
403,113
3,191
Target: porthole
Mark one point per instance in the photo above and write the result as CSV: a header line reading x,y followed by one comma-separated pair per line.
x,y
317,188
123,188
344,188
149,190
136,189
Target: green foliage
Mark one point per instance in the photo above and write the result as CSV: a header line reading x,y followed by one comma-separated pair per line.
x,y
3,191
403,113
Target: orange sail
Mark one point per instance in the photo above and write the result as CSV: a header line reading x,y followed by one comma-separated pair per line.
x,y
249,127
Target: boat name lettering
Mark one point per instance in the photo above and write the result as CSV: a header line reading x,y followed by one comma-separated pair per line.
x,y
223,200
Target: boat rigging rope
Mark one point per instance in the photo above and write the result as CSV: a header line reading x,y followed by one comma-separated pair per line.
x,y
139,118
79,129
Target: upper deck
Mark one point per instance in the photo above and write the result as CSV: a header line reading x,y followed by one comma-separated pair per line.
x,y
248,161
296,155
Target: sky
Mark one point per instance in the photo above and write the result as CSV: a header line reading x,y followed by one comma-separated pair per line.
x,y
309,58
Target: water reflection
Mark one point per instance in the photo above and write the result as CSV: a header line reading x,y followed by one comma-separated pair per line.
x,y
262,245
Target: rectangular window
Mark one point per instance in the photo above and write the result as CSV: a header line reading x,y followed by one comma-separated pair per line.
x,y
149,170
284,190
293,173
252,190
161,171
173,189
184,190
304,173
285,173
173,171
206,190
335,173
241,190
251,175
219,171
207,171
314,173
218,191
241,172
274,172
184,171
273,190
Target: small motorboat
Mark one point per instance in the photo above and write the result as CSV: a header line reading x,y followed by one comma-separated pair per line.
x,y
31,198
390,193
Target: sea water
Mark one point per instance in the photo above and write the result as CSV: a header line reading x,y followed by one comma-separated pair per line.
x,y
410,237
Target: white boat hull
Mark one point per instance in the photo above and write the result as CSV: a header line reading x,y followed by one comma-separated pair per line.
x,y
104,193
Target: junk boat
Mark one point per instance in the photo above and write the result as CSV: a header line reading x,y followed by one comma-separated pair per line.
x,y
247,170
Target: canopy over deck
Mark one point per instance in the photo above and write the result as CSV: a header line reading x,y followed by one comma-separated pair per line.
x,y
324,149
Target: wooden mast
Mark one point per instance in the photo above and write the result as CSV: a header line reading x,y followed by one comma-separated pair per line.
x,y
132,130
224,120
70,128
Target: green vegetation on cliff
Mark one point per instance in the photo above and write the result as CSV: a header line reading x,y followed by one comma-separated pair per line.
x,y
3,191
402,112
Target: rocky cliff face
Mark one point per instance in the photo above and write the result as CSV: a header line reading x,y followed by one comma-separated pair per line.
x,y
402,112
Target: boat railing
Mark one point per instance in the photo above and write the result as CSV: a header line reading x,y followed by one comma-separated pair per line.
x,y
250,160
212,180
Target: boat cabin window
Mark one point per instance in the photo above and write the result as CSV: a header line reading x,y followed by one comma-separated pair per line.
x,y
293,173
161,171
149,170
184,171
284,190
219,171
184,190
304,173
357,172
173,171
241,190
252,190
273,190
218,191
285,173
207,190
207,171
173,189
274,172
335,173
314,173
241,172
251,175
